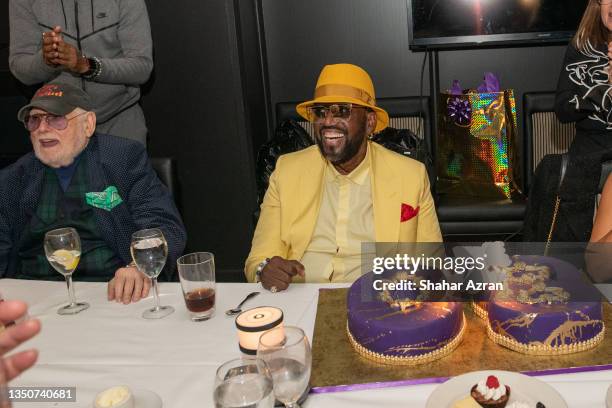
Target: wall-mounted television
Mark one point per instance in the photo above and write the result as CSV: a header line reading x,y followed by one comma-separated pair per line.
x,y
470,23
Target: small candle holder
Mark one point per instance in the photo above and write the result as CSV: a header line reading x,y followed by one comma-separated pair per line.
x,y
252,323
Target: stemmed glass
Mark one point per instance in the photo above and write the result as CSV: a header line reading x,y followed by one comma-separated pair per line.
x,y
243,382
286,350
149,251
63,251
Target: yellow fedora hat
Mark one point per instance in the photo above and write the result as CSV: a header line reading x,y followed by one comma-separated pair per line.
x,y
345,83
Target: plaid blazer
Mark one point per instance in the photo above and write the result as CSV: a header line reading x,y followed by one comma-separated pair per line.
x,y
111,161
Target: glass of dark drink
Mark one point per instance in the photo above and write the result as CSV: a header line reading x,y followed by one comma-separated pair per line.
x,y
197,275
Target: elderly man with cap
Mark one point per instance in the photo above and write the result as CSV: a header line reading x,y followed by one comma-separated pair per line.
x,y
104,187
323,202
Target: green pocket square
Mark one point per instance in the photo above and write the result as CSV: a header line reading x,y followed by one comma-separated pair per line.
x,y
106,200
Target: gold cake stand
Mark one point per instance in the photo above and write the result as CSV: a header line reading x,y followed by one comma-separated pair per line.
x,y
336,365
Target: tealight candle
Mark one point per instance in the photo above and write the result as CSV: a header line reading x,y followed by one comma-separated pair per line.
x,y
252,323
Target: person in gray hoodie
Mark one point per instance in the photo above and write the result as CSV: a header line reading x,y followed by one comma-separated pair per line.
x,y
102,46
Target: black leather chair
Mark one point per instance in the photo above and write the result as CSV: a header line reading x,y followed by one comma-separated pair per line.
x,y
472,219
165,167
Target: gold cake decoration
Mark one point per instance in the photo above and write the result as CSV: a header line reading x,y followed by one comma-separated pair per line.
x,y
411,360
543,349
479,310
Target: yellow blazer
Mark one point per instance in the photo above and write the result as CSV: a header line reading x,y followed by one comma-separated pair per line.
x,y
291,205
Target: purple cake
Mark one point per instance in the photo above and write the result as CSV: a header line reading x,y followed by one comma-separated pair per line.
x,y
393,328
536,313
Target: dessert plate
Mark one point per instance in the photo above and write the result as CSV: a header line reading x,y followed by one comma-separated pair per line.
x,y
145,399
522,388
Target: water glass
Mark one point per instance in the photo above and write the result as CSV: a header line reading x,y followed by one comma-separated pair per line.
x,y
243,382
286,351
149,251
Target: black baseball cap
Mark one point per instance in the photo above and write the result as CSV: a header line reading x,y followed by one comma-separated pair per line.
x,y
58,99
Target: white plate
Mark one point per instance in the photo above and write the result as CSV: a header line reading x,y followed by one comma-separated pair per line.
x,y
145,399
523,388
609,397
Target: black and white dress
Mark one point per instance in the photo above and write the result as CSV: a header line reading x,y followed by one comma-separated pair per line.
x,y
583,97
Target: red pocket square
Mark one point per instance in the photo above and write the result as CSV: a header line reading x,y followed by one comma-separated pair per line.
x,y
408,212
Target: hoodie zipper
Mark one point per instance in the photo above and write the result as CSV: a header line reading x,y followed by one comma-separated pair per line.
x,y
93,25
78,37
78,28
64,13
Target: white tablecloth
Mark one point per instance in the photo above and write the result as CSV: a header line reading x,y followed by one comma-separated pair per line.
x,y
111,344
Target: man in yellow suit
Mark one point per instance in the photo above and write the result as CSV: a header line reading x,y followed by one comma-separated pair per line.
x,y
323,202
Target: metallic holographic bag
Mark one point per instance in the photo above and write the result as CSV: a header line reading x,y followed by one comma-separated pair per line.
x,y
476,144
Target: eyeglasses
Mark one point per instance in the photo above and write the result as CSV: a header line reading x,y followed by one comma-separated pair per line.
x,y
32,122
318,113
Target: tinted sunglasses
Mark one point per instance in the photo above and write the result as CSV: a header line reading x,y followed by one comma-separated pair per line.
x,y
343,111
32,122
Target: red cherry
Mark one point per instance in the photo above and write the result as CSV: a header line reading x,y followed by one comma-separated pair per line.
x,y
492,382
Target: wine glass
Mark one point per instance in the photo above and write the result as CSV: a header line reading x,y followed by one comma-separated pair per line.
x,y
63,251
243,382
286,350
149,251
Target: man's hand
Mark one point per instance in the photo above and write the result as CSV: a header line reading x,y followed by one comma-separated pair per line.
x,y
56,52
128,285
13,336
51,40
279,272
67,56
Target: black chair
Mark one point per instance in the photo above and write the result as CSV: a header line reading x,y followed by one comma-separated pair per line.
x,y
165,167
543,133
472,219
11,127
15,140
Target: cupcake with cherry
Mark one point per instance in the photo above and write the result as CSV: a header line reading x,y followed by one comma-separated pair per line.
x,y
491,393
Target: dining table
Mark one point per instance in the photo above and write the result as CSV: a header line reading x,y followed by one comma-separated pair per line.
x,y
112,344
